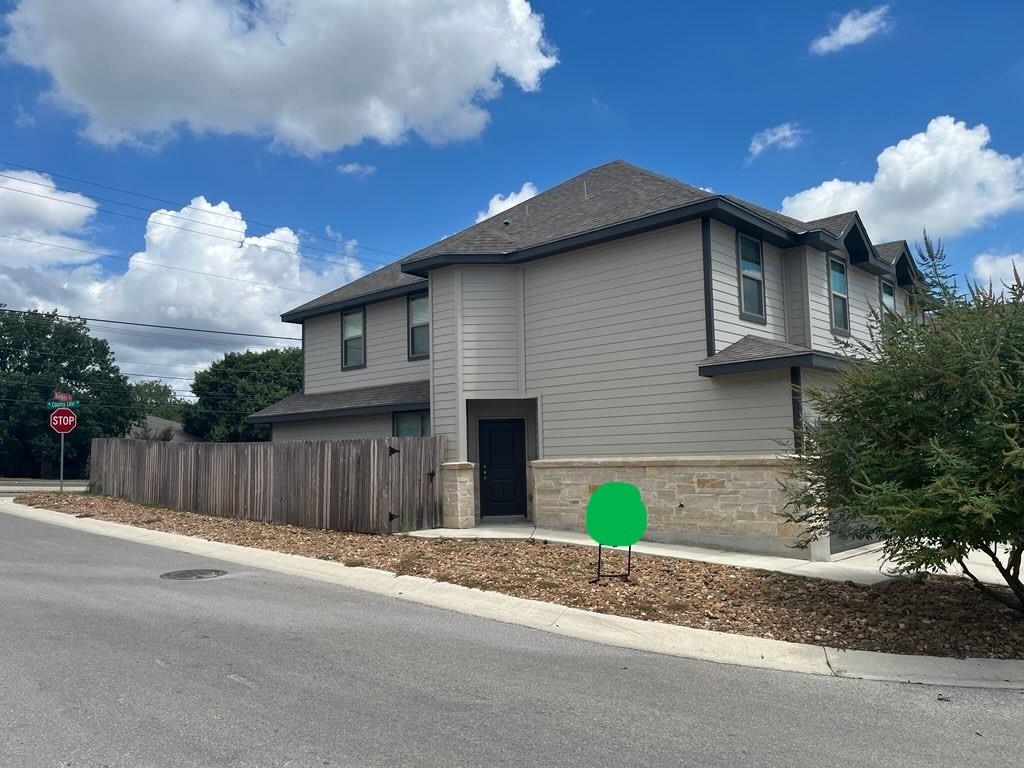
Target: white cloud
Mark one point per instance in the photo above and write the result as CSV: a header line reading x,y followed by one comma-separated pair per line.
x,y
314,75
784,136
357,169
268,270
997,270
854,28
946,179
501,203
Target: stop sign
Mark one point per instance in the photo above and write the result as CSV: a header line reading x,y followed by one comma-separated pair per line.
x,y
63,420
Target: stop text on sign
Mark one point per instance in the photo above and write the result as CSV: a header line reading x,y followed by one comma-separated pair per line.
x,y
63,420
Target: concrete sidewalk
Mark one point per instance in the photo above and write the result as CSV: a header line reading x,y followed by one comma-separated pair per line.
x,y
864,565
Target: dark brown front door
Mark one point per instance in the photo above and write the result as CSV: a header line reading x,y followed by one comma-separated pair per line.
x,y
502,467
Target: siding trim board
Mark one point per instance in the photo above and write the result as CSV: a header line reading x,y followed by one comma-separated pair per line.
x,y
709,297
798,409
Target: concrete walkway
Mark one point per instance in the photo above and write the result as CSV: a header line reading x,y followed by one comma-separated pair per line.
x,y
864,565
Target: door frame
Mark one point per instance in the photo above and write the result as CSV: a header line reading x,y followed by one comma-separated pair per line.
x,y
526,460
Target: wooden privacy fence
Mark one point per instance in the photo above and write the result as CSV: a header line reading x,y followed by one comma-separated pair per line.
x,y
371,486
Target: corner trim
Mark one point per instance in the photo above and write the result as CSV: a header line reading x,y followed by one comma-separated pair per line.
x,y
798,409
709,296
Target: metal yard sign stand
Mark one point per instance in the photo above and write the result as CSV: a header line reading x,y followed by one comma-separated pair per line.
x,y
616,517
62,421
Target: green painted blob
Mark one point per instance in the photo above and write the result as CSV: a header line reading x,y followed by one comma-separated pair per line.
x,y
616,515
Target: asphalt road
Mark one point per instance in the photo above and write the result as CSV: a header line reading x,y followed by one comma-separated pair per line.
x,y
102,663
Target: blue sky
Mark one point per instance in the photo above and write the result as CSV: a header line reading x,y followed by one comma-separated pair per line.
x,y
681,88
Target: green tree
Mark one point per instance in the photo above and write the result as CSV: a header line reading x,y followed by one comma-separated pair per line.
x,y
40,353
158,399
920,441
237,385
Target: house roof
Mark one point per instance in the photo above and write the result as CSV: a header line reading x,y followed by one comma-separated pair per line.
x,y
600,203
892,251
384,398
756,353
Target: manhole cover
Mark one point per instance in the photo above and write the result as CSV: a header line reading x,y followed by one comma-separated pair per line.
x,y
195,573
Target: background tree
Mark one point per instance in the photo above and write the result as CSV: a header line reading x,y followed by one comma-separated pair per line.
x,y
922,445
156,398
40,353
238,385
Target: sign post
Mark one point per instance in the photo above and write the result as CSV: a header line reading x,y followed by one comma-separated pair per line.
x,y
62,421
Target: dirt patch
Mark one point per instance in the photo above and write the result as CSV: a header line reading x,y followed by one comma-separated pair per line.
x,y
934,615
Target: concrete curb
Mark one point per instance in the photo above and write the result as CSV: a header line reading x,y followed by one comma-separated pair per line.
x,y
619,631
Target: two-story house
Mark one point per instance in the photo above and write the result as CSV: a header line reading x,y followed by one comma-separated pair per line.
x,y
621,325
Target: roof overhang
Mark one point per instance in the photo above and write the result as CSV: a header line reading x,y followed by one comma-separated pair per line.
x,y
334,413
821,361
717,208
299,314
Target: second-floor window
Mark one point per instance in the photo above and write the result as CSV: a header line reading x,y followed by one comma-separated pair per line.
x,y
419,327
353,338
888,291
751,264
839,296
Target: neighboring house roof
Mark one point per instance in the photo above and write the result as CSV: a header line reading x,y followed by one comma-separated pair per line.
x,y
755,353
612,200
153,426
384,398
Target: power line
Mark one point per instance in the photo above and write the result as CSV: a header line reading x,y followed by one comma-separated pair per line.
x,y
239,232
61,355
150,325
124,191
134,260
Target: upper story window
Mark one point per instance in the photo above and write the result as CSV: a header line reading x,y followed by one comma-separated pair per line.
x,y
412,424
839,296
888,296
419,327
751,267
353,338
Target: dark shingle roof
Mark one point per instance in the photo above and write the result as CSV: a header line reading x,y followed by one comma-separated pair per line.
x,y
299,405
835,225
755,348
889,252
610,194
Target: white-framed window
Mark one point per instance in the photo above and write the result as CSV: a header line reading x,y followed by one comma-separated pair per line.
x,y
412,424
419,326
839,296
750,262
353,339
887,292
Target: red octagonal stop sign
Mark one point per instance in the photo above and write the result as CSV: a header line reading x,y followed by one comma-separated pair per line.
x,y
63,420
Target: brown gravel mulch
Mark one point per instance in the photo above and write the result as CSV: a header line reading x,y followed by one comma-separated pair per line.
x,y
933,615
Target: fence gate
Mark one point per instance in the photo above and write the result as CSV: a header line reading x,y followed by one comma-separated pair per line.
x,y
378,485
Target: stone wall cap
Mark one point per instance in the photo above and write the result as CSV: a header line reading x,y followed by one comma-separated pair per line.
x,y
663,461
457,465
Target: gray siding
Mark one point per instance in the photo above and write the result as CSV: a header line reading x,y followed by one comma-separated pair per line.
x,y
444,380
794,270
614,334
725,287
491,337
387,357
348,428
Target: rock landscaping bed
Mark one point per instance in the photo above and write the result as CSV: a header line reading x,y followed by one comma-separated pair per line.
x,y
933,615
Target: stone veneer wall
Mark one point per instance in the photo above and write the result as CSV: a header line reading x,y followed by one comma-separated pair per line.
x,y
726,502
458,506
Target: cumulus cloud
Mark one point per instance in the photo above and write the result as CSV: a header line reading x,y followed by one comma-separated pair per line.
x,y
501,202
946,178
997,270
268,274
313,75
357,169
852,29
784,136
